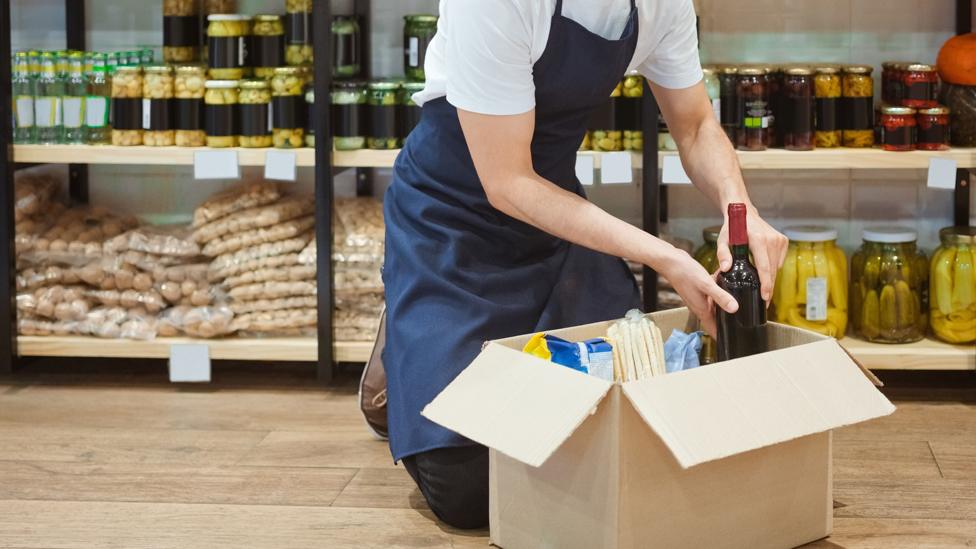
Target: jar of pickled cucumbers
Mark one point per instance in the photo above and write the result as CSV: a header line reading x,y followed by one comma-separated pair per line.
x,y
858,106
827,88
267,45
889,287
629,111
952,286
384,105
811,287
298,32
254,110
707,253
227,35
127,106
345,52
157,93
181,31
288,107
418,31
348,115
222,122
188,106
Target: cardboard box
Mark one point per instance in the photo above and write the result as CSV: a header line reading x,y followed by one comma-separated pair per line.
x,y
735,454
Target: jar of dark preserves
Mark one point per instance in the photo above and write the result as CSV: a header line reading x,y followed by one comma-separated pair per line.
x,y
753,109
799,98
777,106
933,129
897,128
921,83
728,97
892,87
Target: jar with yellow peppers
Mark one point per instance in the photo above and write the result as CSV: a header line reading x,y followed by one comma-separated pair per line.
x,y
952,286
222,122
188,106
254,108
707,253
811,287
298,32
227,51
127,106
827,87
604,134
181,31
858,106
629,111
889,287
157,92
267,46
288,107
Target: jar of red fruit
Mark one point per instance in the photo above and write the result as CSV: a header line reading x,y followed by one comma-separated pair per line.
x,y
797,118
898,128
753,106
892,86
921,83
933,129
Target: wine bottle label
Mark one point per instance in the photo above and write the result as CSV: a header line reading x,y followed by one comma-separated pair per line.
x,y
47,111
25,111
96,111
74,112
816,299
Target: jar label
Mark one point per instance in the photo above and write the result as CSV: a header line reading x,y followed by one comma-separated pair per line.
x,y
288,112
254,120
74,112
146,106
799,115
827,114
266,51
857,113
47,112
755,114
96,111
816,299
411,117
188,114
298,28
221,120
383,121
181,31
728,109
225,52
920,91
345,53
348,120
156,115
25,111
126,113
934,134
900,136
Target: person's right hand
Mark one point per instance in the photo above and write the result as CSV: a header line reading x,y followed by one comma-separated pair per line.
x,y
698,288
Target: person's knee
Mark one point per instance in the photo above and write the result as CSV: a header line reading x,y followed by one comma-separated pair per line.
x,y
463,506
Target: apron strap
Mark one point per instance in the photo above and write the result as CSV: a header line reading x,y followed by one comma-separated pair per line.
x,y
559,7
633,5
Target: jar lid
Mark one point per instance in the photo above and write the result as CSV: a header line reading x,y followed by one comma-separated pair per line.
x,y
751,71
827,69
228,17
190,68
894,64
384,85
254,84
710,234
935,110
708,69
771,69
414,86
634,72
858,69
158,69
348,84
729,69
799,71
420,18
128,68
267,17
896,110
810,233
920,67
220,84
958,235
889,235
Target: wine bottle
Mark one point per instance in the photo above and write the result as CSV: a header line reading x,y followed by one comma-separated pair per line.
x,y
742,333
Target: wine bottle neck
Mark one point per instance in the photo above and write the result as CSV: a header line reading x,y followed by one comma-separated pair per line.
x,y
740,251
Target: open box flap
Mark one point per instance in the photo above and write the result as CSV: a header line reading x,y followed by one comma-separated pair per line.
x,y
732,407
518,404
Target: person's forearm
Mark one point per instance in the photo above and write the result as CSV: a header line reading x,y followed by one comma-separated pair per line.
x,y
712,164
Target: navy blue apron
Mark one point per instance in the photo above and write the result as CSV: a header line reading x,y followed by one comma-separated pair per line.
x,y
459,272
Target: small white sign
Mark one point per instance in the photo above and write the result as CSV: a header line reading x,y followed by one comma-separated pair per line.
x,y
216,165
189,363
584,168
616,167
942,173
279,165
672,172
146,114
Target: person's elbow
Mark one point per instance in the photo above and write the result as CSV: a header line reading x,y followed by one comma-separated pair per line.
x,y
498,191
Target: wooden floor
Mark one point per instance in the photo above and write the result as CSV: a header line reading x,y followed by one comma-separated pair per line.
x,y
111,455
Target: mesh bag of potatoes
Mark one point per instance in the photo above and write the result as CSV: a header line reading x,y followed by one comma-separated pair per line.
x,y
250,219
65,303
204,322
34,189
241,197
80,231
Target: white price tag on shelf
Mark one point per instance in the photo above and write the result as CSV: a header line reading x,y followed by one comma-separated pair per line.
x,y
942,173
279,165
616,167
584,168
216,164
189,363
672,172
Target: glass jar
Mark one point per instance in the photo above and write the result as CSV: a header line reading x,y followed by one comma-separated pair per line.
x,y
157,91
211,7
383,100
254,110
188,106
892,85
127,106
921,85
222,124
707,253
345,47
728,79
411,112
777,106
898,128
310,109
933,129
629,111
828,92
952,286
714,90
753,108
418,31
858,107
227,51
181,31
288,107
798,109
889,287
298,32
811,287
604,135
267,45
348,115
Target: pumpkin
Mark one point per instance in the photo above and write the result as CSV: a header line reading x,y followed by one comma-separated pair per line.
x,y
957,60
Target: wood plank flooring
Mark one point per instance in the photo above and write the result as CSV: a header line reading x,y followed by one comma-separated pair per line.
x,y
108,454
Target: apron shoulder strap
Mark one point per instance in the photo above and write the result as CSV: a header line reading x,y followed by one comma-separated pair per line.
x,y
559,8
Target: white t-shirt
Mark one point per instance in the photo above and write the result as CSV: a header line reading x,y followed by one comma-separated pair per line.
x,y
482,55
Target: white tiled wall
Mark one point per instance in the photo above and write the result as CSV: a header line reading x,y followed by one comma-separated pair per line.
x,y
732,31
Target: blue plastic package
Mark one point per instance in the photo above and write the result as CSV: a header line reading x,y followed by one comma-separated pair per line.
x,y
593,356
681,351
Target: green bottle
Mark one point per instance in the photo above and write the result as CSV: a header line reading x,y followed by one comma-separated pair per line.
x,y
22,88
97,129
47,102
73,104
61,64
35,63
112,61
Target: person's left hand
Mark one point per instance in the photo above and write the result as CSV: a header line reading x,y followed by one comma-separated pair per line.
x,y
768,247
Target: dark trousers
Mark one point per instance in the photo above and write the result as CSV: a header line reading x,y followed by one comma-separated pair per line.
x,y
454,481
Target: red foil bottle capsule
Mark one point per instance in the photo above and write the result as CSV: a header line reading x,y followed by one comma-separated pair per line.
x,y
933,129
921,83
898,128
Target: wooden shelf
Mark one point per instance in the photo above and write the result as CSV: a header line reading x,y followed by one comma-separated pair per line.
x,y
927,354
297,349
